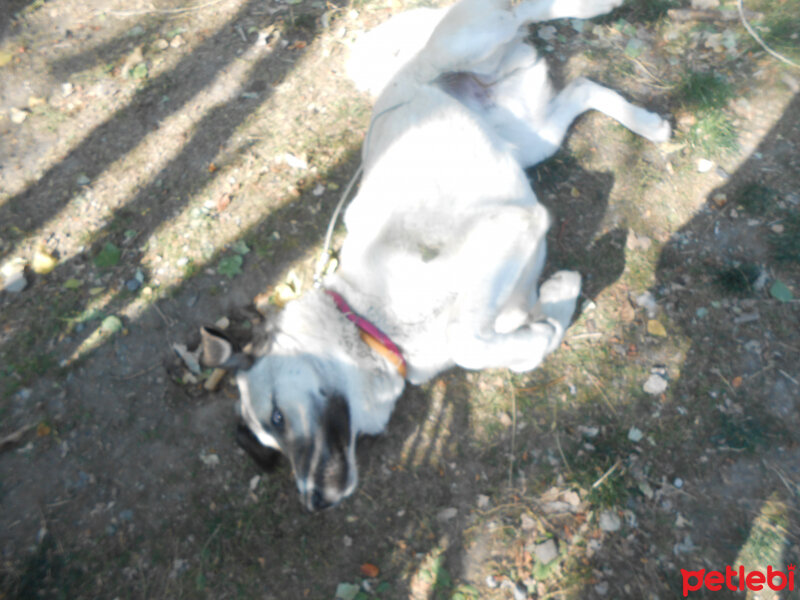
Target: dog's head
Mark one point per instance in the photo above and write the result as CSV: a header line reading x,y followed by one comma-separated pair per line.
x,y
289,405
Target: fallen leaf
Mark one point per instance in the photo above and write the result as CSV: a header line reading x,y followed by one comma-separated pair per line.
x,y
72,283
43,430
736,381
779,291
43,262
107,257
298,45
654,327
212,167
5,58
369,570
230,266
111,324
346,591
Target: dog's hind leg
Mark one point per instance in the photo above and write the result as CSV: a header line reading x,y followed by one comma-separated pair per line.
x,y
539,136
582,95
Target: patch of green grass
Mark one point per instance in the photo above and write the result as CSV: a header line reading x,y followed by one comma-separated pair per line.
x,y
706,95
714,134
704,91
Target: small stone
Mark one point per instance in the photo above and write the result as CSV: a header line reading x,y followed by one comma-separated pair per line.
x,y
548,32
126,515
704,165
161,44
635,434
601,588
656,328
546,552
610,521
82,179
491,582
678,483
132,285
12,275
446,514
483,501
176,42
655,384
17,115
66,89
526,522
347,541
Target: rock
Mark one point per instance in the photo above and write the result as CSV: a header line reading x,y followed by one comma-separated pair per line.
x,y
12,275
635,434
446,514
527,523
610,521
17,115
547,33
546,552
655,384
704,165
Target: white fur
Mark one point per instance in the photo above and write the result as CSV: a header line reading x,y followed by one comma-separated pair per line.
x,y
446,239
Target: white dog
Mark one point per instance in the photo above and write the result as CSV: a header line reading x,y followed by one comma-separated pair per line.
x,y
446,240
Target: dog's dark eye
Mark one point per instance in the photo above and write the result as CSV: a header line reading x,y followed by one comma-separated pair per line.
x,y
277,419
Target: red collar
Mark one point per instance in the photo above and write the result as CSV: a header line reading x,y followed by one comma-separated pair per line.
x,y
372,336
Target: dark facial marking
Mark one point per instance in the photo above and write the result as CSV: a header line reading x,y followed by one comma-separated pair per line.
x,y
266,458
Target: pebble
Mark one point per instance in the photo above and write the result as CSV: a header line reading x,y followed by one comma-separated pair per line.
x,y
609,521
601,588
548,32
704,165
546,552
446,514
132,285
18,116
655,384
635,434
13,276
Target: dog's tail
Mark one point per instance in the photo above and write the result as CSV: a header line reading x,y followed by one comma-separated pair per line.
x,y
376,56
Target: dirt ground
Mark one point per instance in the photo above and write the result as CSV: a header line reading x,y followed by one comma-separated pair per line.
x,y
164,163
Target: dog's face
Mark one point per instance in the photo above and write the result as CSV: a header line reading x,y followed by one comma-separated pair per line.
x,y
286,405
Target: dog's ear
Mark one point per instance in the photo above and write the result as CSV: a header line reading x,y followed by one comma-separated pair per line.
x,y
265,457
219,351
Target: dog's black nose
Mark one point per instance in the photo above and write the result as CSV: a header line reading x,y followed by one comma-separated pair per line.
x,y
318,501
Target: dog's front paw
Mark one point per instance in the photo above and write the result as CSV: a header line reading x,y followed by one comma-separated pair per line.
x,y
661,132
558,296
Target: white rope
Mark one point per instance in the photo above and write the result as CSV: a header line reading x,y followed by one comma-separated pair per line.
x,y
326,254
757,38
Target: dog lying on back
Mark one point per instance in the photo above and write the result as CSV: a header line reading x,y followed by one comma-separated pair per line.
x,y
445,238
